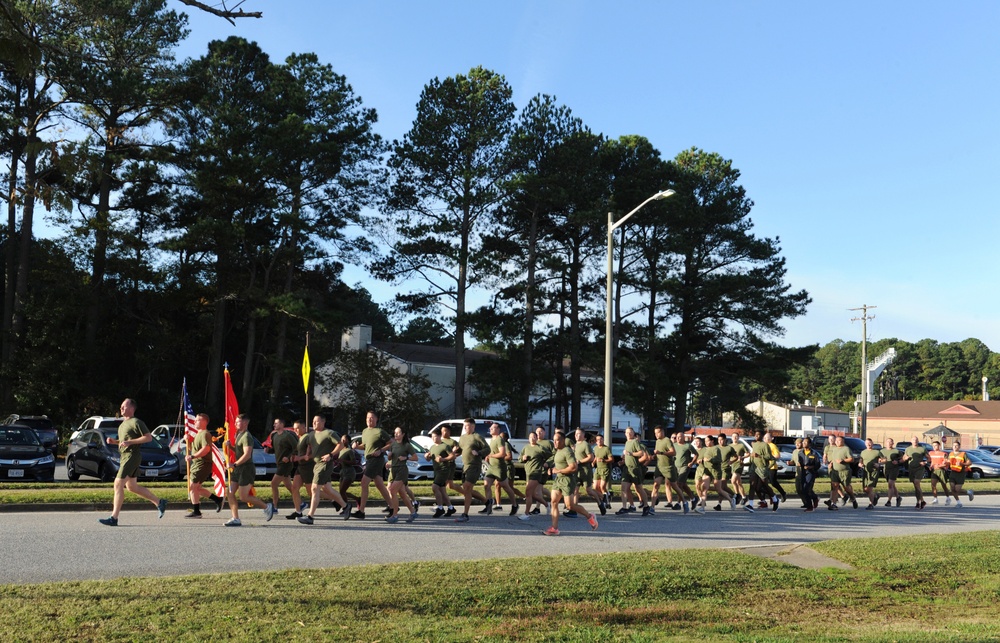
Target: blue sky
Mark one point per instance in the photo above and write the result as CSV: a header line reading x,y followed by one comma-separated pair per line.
x,y
866,133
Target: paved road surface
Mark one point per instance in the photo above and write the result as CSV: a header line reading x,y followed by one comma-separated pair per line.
x,y
48,546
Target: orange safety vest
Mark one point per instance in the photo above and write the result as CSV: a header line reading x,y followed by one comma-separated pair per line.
x,y
937,459
958,461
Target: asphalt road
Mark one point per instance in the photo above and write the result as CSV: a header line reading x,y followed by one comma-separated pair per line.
x,y
50,546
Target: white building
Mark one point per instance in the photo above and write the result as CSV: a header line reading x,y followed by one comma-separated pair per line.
x,y
791,419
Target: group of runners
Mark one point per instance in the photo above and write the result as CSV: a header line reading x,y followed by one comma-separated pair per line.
x,y
576,464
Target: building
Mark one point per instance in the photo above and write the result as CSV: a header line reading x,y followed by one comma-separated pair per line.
x,y
791,419
902,419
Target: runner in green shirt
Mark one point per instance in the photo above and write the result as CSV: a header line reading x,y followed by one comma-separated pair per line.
x,y
870,460
496,471
534,458
376,443
840,459
685,457
243,473
132,434
400,452
283,444
473,449
665,473
602,471
199,459
440,457
565,466
914,458
583,450
892,458
739,452
634,471
325,449
452,444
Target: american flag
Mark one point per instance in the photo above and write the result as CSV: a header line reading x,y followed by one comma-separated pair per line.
x,y
190,431
190,419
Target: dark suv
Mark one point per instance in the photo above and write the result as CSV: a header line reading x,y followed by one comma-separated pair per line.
x,y
47,433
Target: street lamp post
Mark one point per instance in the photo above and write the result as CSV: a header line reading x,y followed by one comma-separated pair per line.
x,y
609,329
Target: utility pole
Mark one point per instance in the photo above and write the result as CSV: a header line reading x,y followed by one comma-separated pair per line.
x,y
864,364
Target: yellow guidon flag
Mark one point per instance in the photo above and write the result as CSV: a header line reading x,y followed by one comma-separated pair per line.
x,y
305,370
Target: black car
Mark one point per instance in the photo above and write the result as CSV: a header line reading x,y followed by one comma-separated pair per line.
x,y
89,454
47,432
22,456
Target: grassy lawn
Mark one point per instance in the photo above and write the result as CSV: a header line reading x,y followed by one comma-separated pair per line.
x,y
86,491
923,588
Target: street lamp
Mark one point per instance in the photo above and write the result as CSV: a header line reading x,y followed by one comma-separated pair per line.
x,y
608,345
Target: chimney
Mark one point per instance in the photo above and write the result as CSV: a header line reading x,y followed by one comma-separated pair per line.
x,y
356,338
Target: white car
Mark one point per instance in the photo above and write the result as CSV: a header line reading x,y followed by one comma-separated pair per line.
x,y
97,422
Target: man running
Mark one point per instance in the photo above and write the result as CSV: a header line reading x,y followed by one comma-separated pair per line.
x,y
376,443
685,456
283,443
439,455
564,467
840,459
132,434
938,459
303,472
892,457
200,468
534,459
914,457
242,474
809,462
473,448
958,468
870,459
325,450
584,453
739,453
634,471
602,471
452,445
665,473
496,471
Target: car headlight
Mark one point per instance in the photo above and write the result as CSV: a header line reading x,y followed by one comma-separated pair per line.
x,y
115,457
49,459
169,462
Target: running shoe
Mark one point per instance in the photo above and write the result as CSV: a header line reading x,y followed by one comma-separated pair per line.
x,y
488,509
888,503
302,506
748,507
958,504
450,512
934,501
412,516
110,521
438,512
676,506
870,506
392,520
646,510
161,507
306,520
524,517
360,515
592,521
513,510
947,501
899,500
387,510
631,508
268,512
687,507
774,503
603,507
971,494
732,503
346,513
218,504
293,515
193,515
462,518
622,512
551,531
833,507
416,504
700,509
233,522
536,511
923,503
854,501
717,507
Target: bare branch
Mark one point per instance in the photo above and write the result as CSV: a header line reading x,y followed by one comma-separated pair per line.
x,y
224,12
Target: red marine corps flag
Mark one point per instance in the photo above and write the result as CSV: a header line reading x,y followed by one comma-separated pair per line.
x,y
232,409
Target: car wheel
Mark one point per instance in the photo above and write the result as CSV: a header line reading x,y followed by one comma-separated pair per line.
x,y
71,471
616,474
105,473
976,474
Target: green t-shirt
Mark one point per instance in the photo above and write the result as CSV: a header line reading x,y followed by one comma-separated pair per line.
x,y
726,454
835,454
581,452
436,451
496,464
760,455
323,443
302,448
917,454
711,458
549,449
348,457
869,459
452,445
374,439
562,459
396,451
892,457
284,444
131,429
201,440
534,458
468,443
685,455
244,444
664,462
631,461
602,467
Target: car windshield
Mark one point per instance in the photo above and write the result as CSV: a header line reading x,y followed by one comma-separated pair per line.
x,y
14,435
153,445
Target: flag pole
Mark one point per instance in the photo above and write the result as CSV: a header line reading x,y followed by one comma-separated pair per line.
x,y
183,423
225,425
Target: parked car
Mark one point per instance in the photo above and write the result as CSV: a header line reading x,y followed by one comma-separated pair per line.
x,y
47,432
22,456
420,469
90,454
618,453
97,422
482,428
983,466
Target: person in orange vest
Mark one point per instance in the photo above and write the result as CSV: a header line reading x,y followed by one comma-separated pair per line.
x,y
939,470
958,468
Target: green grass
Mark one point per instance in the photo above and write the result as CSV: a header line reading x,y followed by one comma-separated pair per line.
x,y
925,588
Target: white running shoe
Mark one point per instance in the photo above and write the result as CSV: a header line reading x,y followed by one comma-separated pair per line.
x,y
934,502
524,517
971,495
947,501
958,504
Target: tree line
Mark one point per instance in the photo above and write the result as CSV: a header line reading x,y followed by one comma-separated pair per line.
x,y
205,209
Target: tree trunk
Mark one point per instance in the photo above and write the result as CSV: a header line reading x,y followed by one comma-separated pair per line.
x,y
100,261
